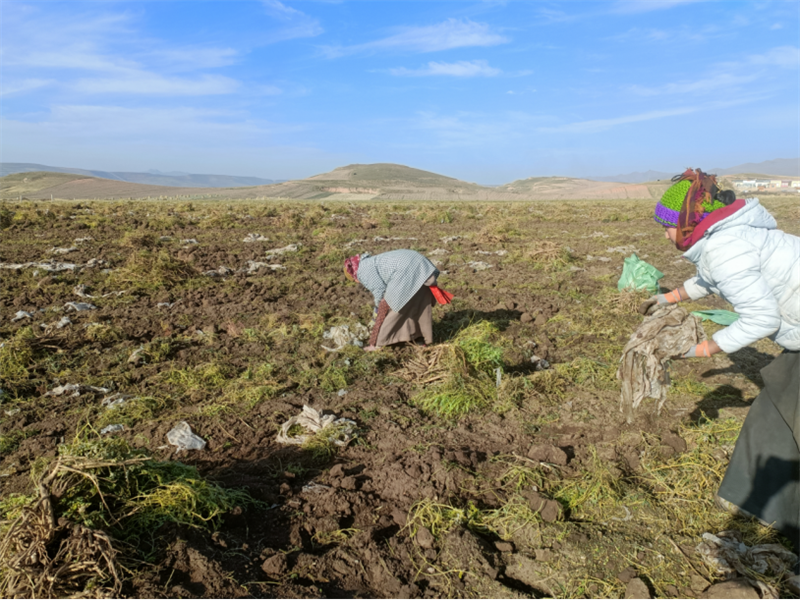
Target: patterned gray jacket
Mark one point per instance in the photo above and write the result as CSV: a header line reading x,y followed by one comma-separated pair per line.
x,y
394,276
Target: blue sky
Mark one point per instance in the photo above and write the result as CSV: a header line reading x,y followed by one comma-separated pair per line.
x,y
482,91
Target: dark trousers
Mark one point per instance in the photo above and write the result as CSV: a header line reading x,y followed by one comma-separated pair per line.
x,y
763,477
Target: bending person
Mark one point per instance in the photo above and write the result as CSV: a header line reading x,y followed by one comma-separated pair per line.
x,y
742,256
403,283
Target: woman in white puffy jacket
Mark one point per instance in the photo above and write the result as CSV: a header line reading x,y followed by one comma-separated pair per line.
x,y
742,256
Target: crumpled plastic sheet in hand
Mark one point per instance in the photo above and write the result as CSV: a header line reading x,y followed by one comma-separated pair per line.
x,y
667,333
728,556
313,421
341,335
181,436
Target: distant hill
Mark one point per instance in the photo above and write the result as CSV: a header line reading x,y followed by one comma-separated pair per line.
x,y
150,178
557,188
782,167
380,181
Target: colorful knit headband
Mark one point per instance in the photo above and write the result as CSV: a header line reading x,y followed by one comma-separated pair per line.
x,y
687,202
669,207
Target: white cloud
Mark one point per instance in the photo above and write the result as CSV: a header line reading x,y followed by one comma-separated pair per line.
x,y
463,68
280,10
145,83
642,6
186,139
712,85
787,57
728,77
24,85
466,129
103,124
103,53
453,33
298,24
192,58
601,125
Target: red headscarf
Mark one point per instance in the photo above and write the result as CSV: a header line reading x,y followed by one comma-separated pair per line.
x,y
351,267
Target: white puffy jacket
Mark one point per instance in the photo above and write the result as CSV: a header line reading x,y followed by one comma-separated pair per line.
x,y
756,267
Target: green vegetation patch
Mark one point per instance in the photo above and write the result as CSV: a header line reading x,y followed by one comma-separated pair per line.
x,y
462,376
111,486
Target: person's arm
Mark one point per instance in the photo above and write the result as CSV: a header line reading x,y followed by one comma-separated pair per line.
x,y
695,288
735,268
383,310
703,350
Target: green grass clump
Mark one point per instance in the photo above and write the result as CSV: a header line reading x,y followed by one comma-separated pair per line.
x,y
207,376
458,395
469,380
114,487
502,522
132,411
11,441
147,271
323,444
480,343
104,334
16,357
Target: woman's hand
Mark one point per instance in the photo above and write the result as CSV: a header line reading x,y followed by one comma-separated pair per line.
x,y
660,300
703,350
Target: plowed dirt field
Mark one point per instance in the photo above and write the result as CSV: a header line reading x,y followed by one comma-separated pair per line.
x,y
538,488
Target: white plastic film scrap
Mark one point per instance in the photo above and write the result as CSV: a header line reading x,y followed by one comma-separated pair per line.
x,y
181,436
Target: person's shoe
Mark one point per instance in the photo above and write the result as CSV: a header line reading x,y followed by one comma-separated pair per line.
x,y
731,508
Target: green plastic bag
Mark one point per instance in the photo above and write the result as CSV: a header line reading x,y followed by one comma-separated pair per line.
x,y
639,275
723,317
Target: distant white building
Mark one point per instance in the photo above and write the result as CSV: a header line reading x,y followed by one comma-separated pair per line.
x,y
795,184
745,183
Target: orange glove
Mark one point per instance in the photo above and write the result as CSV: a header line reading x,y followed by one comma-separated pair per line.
x,y
699,351
661,300
441,296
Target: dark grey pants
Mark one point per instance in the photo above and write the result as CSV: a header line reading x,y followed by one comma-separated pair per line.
x,y
763,477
